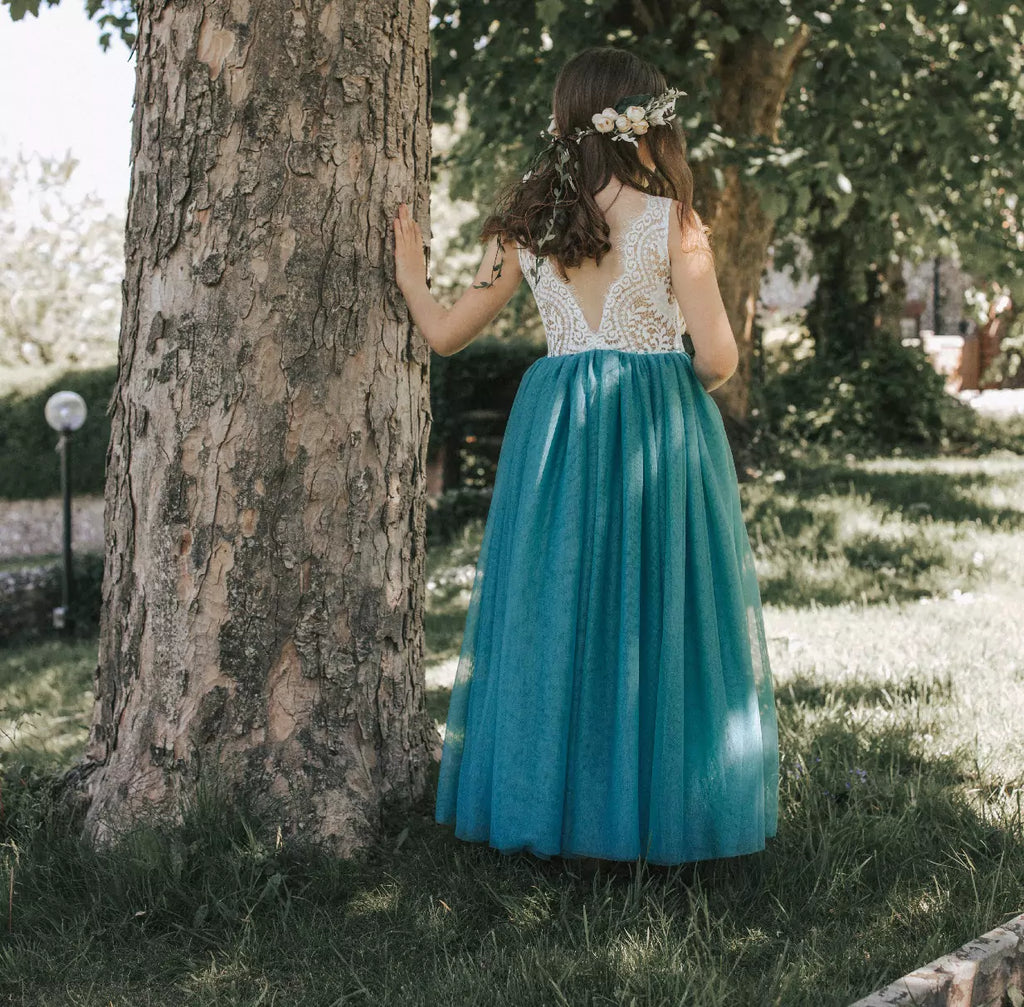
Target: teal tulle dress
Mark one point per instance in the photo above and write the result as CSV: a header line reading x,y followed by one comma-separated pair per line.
x,y
613,696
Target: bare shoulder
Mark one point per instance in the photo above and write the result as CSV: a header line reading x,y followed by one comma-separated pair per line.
x,y
689,241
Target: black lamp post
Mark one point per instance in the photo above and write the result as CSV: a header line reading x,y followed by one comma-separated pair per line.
x,y
65,412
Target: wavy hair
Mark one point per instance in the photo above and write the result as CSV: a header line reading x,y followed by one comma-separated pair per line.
x,y
590,81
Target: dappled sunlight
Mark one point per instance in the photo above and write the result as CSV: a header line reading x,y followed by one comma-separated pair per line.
x,y
955,671
46,694
383,899
875,531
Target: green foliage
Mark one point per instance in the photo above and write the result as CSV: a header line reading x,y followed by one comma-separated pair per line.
x,y
29,465
891,400
914,111
120,16
453,510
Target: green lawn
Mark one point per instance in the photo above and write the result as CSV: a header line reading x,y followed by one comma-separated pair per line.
x,y
894,605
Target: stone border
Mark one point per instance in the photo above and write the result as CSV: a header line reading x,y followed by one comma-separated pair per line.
x,y
975,975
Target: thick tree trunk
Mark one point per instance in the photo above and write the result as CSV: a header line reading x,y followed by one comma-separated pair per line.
x,y
265,501
754,76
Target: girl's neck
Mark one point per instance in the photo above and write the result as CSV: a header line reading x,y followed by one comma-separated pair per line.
x,y
611,192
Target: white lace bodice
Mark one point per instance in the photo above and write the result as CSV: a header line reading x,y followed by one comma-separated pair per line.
x,y
640,312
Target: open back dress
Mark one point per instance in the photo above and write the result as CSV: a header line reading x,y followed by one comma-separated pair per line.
x,y
613,696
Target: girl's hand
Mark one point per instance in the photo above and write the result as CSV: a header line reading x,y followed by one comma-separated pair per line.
x,y
410,263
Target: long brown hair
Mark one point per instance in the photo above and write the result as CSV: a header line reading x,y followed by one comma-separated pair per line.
x,y
592,80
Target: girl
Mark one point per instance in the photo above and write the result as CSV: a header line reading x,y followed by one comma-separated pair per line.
x,y
613,698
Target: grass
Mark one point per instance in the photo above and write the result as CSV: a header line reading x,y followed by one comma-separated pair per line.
x,y
46,691
894,592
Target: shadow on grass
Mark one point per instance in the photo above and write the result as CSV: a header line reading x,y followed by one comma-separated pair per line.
x,y
943,496
807,690
832,533
881,862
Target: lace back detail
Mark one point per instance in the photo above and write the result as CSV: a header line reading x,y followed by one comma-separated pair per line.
x,y
640,312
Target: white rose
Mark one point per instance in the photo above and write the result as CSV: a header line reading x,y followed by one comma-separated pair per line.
x,y
635,113
622,123
610,112
602,123
640,127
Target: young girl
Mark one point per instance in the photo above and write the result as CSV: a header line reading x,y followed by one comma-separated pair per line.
x,y
613,698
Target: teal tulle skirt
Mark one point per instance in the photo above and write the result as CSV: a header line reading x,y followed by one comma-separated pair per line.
x,y
613,696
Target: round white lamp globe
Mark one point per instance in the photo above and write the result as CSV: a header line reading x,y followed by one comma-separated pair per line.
x,y
65,410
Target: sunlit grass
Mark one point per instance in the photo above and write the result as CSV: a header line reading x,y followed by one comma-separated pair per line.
x,y
45,700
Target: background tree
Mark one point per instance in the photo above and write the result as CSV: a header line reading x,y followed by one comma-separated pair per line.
x,y
61,262
265,499
780,106
910,144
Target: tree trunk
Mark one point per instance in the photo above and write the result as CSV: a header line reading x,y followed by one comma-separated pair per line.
x,y
861,292
754,77
263,589
892,300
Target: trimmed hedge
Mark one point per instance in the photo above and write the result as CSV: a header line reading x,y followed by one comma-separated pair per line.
x,y
484,375
29,463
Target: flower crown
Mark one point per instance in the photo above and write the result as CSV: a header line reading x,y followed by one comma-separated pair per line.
x,y
633,116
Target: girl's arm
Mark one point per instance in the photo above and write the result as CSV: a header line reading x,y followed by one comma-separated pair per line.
x,y
695,287
449,330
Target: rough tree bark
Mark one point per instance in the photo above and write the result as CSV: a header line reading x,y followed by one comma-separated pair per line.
x,y
754,76
263,590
